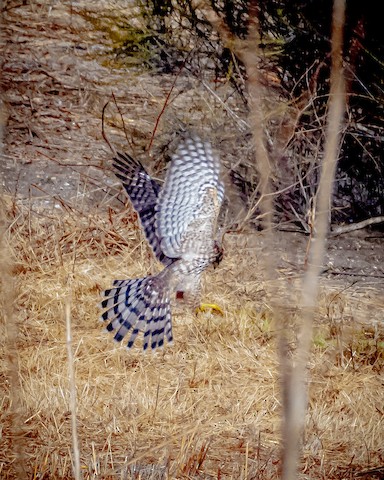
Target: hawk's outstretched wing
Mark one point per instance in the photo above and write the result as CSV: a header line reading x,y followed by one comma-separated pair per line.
x,y
191,196
143,192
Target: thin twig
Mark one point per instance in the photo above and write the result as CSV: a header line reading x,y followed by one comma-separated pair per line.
x,y
122,119
241,124
102,127
356,226
72,391
165,104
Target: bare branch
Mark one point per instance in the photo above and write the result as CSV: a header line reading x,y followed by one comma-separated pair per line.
x,y
295,389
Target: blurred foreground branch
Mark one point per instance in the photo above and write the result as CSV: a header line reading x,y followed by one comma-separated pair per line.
x,y
8,294
293,370
296,385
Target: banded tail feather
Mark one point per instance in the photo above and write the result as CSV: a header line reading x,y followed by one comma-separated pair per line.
x,y
138,305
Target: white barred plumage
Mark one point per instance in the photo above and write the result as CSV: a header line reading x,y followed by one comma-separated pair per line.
x,y
180,224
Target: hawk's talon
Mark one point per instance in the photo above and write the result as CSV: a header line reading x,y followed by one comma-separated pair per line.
x,y
210,307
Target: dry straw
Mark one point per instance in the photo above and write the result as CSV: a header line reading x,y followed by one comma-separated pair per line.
x,y
208,406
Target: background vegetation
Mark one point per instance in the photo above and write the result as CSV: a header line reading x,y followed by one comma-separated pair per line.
x,y
295,66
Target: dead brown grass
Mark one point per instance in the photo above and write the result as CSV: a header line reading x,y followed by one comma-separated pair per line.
x,y
207,407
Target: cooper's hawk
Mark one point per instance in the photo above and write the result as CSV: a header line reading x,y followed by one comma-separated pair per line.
x,y
180,224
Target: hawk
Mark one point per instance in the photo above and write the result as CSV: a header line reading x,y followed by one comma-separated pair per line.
x,y
179,220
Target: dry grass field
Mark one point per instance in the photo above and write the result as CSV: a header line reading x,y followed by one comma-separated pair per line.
x,y
208,406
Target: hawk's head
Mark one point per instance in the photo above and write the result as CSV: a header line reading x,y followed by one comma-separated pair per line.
x,y
218,254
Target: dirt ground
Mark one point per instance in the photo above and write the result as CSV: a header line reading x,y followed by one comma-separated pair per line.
x,y
55,82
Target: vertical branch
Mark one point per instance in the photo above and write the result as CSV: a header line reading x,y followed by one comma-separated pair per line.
x,y
296,387
7,299
294,373
8,295
248,51
72,391
250,56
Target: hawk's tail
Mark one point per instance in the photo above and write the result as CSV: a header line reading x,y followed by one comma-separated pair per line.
x,y
139,305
